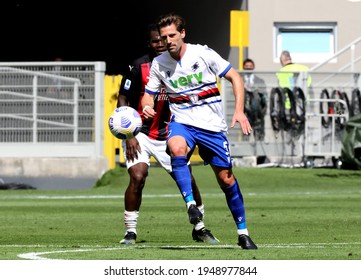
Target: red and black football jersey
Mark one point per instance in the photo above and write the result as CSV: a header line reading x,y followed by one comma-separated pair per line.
x,y
132,87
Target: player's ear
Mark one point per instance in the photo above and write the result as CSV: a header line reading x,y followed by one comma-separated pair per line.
x,y
183,33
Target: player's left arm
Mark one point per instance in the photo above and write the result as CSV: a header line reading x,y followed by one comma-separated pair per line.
x,y
152,88
238,91
148,105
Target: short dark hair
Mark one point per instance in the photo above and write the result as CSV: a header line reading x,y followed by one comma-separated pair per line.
x,y
151,27
170,18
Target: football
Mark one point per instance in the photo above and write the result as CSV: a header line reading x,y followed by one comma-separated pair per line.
x,y
125,122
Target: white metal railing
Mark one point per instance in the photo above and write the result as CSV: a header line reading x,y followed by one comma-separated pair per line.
x,y
315,135
284,143
56,107
35,98
350,47
38,73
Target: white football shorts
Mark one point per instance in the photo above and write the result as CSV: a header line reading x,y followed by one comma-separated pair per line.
x,y
150,147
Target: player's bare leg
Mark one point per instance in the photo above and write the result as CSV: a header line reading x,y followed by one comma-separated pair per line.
x,y
133,200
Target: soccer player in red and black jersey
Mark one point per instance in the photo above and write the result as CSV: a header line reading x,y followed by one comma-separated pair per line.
x,y
151,141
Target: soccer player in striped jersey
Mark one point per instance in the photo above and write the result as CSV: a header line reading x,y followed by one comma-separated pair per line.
x,y
189,74
151,141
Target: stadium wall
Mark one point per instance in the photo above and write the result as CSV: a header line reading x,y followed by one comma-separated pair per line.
x,y
263,15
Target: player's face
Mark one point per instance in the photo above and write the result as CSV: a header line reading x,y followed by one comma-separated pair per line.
x,y
172,38
156,43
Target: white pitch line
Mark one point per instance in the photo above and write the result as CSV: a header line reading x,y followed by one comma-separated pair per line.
x,y
316,193
86,196
39,255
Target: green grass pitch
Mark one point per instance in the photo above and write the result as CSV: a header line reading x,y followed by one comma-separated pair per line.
x,y
292,214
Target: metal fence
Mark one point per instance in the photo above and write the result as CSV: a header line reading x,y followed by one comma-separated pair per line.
x,y
312,129
56,109
51,109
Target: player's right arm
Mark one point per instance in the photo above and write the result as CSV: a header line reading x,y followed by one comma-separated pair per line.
x,y
130,87
122,101
126,90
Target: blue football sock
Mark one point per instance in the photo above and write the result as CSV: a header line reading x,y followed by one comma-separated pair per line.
x,y
182,177
235,204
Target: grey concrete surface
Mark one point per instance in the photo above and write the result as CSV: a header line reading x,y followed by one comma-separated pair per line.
x,y
51,183
53,167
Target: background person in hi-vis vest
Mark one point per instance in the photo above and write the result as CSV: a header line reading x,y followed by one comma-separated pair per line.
x,y
288,79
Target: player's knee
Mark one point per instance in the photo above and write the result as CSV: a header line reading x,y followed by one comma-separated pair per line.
x,y
136,187
177,146
138,177
226,181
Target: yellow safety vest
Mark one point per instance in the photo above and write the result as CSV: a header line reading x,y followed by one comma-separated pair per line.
x,y
286,79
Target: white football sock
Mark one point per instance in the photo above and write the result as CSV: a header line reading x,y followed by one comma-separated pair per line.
x,y
130,220
190,203
242,231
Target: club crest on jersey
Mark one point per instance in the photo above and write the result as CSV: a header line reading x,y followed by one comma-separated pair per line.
x,y
193,98
195,66
168,73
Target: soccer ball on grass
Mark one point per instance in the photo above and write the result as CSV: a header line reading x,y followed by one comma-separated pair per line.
x,y
125,122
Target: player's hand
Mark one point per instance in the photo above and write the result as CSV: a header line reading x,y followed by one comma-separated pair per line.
x,y
148,112
242,119
132,149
